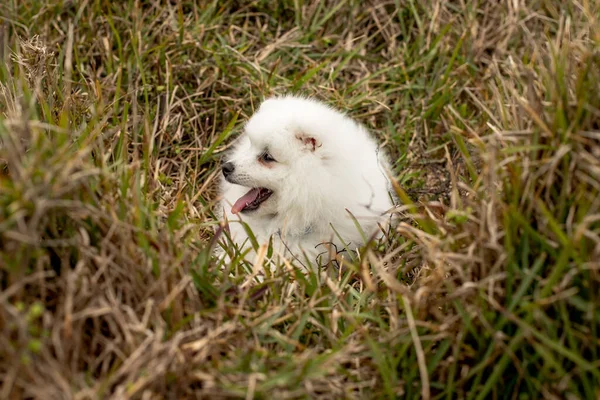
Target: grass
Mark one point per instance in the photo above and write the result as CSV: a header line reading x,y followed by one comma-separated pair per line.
x,y
114,117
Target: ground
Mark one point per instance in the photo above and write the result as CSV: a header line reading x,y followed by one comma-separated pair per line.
x,y
113,119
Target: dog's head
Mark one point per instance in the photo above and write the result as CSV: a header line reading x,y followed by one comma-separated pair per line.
x,y
281,155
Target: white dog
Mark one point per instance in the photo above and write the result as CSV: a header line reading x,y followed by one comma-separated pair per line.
x,y
302,174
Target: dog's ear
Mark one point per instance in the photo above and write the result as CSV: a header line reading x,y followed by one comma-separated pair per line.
x,y
310,143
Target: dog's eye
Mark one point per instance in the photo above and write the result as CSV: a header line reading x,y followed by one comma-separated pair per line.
x,y
267,158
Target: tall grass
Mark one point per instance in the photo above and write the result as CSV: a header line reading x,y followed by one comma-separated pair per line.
x,y
113,118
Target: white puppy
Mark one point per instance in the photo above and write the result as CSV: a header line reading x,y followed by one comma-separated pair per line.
x,y
300,173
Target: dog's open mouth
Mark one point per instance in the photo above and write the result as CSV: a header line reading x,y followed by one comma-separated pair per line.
x,y
251,200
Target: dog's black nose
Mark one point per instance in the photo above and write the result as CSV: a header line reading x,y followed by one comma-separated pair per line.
x,y
227,169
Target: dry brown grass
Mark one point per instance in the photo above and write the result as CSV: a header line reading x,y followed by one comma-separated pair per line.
x,y
113,119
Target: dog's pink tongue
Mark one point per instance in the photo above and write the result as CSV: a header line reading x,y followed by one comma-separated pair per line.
x,y
243,201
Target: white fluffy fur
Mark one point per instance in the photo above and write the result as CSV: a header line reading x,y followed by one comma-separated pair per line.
x,y
326,165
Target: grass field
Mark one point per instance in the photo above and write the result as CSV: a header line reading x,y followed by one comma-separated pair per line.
x,y
113,119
